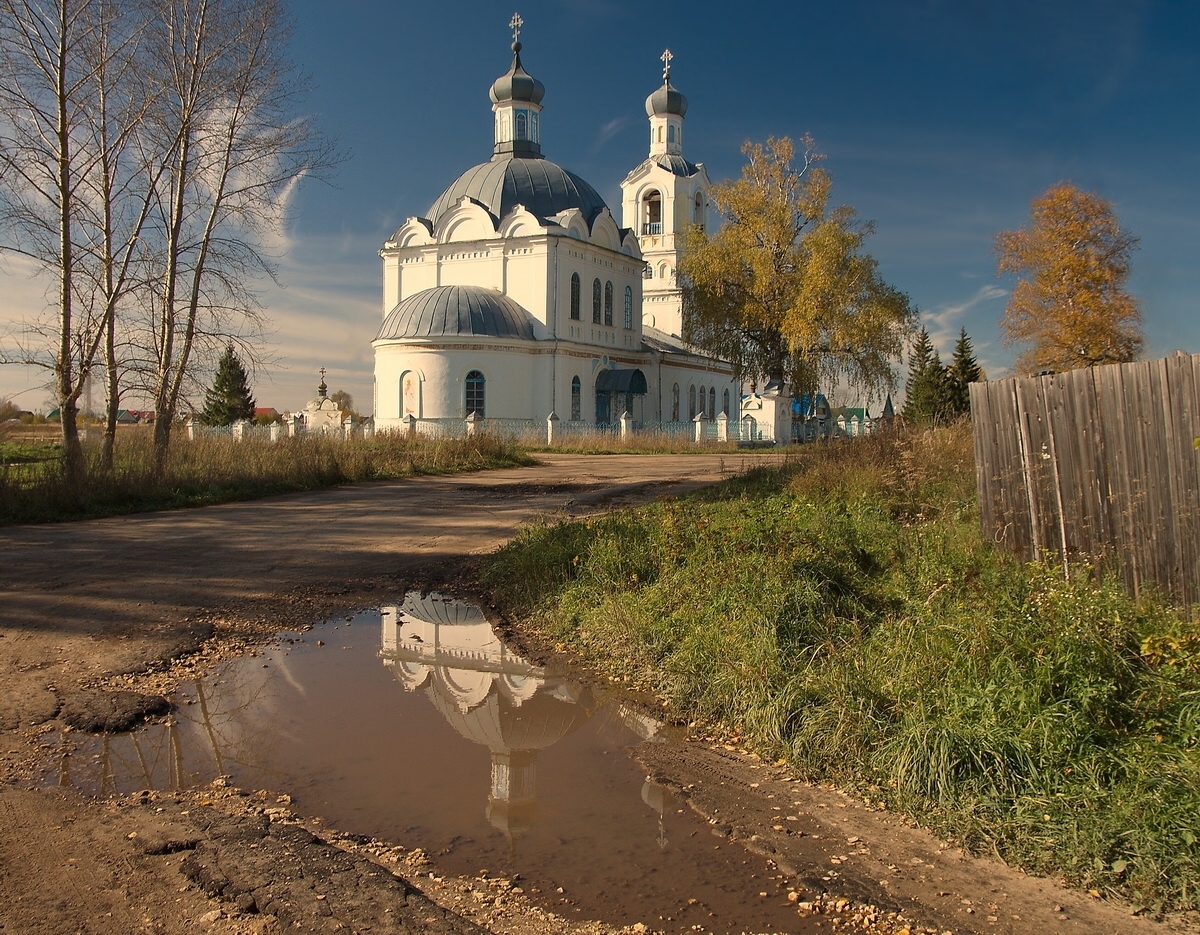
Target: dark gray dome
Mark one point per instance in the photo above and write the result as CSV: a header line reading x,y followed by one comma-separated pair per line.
x,y
457,310
517,84
674,164
542,187
666,100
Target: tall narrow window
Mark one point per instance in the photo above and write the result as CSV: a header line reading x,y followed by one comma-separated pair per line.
x,y
608,303
629,307
712,402
675,403
595,301
576,400
692,402
698,217
725,402
522,125
575,296
700,407
671,133
475,401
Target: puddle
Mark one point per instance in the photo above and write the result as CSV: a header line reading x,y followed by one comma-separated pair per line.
x,y
415,723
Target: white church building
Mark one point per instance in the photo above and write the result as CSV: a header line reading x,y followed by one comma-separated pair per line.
x,y
518,294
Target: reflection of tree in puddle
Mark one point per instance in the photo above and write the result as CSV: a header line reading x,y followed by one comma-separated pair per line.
x,y
492,697
218,725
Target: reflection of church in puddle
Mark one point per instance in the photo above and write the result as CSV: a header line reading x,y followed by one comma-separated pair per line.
x,y
489,695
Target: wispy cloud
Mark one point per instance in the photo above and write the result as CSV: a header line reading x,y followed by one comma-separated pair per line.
x,y
944,322
609,130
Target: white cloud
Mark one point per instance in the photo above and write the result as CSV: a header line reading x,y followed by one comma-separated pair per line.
x,y
609,130
944,323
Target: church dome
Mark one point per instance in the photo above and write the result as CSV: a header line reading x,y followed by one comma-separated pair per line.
x,y
457,310
505,181
666,100
517,84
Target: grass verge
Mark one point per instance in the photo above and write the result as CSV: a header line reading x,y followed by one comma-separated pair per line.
x,y
218,470
842,612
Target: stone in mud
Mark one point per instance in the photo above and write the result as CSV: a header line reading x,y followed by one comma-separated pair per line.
x,y
100,712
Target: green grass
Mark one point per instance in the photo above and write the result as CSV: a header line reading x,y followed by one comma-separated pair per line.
x,y
842,612
215,469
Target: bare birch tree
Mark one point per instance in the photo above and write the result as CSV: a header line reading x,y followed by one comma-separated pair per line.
x,y
234,151
47,92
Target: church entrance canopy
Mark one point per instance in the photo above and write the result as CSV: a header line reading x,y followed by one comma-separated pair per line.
x,y
615,390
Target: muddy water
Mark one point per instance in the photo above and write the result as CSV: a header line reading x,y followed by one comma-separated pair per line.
x,y
416,724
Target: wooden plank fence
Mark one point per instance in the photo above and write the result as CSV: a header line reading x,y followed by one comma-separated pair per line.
x,y
1098,464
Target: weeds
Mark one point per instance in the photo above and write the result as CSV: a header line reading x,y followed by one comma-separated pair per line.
x,y
214,469
842,611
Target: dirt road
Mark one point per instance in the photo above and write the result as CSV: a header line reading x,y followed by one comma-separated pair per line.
x,y
81,603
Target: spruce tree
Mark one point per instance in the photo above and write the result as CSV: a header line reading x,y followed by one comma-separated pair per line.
x,y
963,371
925,388
229,397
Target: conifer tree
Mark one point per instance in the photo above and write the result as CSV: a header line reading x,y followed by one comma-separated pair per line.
x,y
963,371
229,397
926,387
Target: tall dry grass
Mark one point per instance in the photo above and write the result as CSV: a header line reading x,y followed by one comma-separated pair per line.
x,y
215,469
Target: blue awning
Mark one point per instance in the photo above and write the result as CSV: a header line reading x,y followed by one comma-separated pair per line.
x,y
631,382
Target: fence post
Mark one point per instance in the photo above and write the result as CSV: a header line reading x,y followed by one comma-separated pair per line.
x,y
626,425
295,424
368,428
238,430
698,423
275,428
348,427
748,421
192,423
410,424
551,423
722,427
473,421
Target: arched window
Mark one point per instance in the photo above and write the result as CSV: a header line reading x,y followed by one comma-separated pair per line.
x,y
576,399
629,307
725,402
698,217
700,404
595,301
475,400
660,134
652,212
671,133
522,125
608,303
648,272
712,402
575,296
692,402
675,403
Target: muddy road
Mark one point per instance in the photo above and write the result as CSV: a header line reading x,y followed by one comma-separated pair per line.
x,y
98,618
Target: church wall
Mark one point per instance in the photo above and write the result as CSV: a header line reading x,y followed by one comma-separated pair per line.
x,y
516,381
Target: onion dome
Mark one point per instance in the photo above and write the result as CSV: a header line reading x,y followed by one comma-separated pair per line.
x,y
457,311
517,84
666,100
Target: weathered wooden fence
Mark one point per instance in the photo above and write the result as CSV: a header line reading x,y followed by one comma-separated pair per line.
x,y
1098,464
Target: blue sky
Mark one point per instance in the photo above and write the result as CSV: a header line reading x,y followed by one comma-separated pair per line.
x,y
940,120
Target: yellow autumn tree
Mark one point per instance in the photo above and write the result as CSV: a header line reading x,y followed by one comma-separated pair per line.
x,y
783,288
1069,307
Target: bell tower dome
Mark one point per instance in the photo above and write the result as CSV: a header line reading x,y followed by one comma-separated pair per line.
x,y
660,200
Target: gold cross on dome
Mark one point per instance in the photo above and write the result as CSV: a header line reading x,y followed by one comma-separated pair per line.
x,y
666,60
515,25
322,373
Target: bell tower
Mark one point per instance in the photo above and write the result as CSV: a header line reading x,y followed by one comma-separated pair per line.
x,y
660,199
